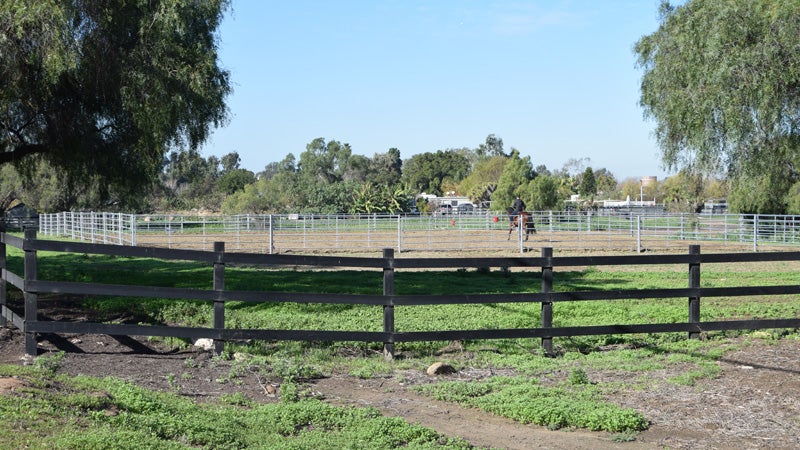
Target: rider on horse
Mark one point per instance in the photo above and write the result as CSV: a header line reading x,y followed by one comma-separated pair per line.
x,y
518,206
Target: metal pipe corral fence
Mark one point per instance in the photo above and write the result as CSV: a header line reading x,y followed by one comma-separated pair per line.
x,y
313,233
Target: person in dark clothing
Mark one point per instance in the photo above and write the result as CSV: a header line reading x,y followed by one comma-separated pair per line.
x,y
517,207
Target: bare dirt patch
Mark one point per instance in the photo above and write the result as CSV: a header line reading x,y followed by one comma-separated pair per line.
x,y
10,384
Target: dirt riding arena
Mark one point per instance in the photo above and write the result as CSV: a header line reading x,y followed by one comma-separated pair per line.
x,y
446,241
298,233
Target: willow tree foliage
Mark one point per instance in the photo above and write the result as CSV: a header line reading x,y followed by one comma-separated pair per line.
x,y
722,83
102,89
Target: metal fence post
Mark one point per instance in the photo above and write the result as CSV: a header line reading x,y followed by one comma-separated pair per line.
x,y
683,225
271,236
460,233
755,232
388,310
694,283
119,229
238,232
369,227
399,233
305,222
725,228
547,287
219,304
30,297
741,228
105,228
638,234
203,224
133,230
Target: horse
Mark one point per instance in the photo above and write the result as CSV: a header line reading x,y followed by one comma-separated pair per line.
x,y
527,219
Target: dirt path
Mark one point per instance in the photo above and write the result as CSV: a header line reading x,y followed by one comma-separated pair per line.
x,y
478,428
752,405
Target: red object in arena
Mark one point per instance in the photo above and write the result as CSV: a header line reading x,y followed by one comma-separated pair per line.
x,y
495,219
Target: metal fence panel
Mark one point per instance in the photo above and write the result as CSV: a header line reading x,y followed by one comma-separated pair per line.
x,y
484,231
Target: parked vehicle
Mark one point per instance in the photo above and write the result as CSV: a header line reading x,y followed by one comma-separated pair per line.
x,y
465,208
445,209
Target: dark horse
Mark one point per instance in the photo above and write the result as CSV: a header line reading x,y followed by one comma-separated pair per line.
x,y
523,216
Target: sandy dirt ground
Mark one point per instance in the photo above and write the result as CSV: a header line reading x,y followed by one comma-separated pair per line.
x,y
445,241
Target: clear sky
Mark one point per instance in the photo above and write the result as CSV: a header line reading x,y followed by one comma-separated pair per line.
x,y
554,79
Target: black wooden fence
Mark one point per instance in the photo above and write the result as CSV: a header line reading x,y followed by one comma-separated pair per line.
x,y
31,287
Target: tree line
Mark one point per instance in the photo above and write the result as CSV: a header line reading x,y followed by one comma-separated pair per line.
x,y
329,178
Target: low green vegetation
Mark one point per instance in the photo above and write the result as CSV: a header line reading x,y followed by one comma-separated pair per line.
x,y
56,412
571,404
525,384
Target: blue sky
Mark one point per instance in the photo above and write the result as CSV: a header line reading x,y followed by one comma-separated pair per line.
x,y
554,79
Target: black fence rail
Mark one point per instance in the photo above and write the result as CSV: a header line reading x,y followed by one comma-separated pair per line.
x,y
27,319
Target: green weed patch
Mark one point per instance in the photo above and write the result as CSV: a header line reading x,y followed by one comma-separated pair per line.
x,y
526,401
57,412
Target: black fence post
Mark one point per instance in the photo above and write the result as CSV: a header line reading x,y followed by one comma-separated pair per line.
x,y
219,305
30,297
3,293
388,310
547,307
694,283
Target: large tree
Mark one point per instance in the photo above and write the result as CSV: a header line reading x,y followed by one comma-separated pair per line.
x,y
427,172
323,162
517,172
492,147
386,169
543,193
683,192
103,89
588,184
722,82
482,180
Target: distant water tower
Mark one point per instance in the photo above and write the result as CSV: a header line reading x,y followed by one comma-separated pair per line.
x,y
649,180
646,181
